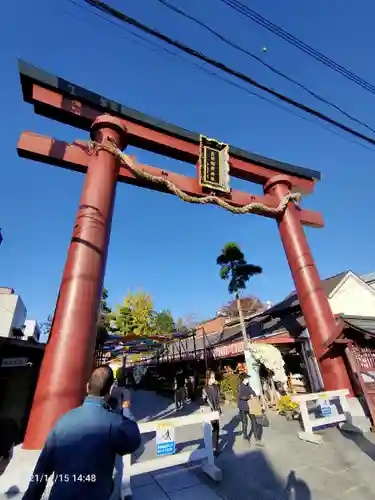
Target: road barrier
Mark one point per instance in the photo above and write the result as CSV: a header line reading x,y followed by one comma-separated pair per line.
x,y
165,450
331,408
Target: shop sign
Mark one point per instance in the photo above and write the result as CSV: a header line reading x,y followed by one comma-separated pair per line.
x,y
214,165
226,351
14,362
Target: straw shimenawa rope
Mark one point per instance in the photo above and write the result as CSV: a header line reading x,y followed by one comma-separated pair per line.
x,y
212,199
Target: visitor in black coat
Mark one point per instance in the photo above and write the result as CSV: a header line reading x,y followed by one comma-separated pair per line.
x,y
211,396
179,390
245,394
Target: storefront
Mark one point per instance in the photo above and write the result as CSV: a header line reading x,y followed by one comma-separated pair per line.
x,y
20,362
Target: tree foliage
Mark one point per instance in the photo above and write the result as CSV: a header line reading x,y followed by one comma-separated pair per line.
x,y
104,320
250,305
141,307
123,320
187,323
136,315
45,327
105,314
163,323
233,267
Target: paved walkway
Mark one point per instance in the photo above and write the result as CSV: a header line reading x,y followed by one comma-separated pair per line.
x,y
341,468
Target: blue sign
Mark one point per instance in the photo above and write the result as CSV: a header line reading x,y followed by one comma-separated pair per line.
x,y
325,409
165,448
165,440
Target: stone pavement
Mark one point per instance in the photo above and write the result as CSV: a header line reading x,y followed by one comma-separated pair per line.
x,y
173,484
341,468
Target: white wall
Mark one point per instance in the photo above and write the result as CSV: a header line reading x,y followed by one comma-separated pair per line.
x,y
12,314
353,297
31,329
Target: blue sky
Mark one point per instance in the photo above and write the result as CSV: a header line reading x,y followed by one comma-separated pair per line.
x,y
159,243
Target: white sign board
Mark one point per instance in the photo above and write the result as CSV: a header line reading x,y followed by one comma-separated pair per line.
x,y
328,414
13,362
165,439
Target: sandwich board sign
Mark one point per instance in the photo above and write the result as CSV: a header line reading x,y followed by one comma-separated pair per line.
x,y
165,440
329,414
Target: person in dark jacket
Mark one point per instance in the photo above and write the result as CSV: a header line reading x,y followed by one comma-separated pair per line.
x,y
211,396
179,389
81,449
245,394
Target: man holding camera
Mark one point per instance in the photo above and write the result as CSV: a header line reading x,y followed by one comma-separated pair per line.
x,y
81,449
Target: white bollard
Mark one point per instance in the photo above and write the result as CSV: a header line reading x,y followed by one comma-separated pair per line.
x,y
209,467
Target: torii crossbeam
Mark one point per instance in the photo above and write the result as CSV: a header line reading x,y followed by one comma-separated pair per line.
x,y
69,354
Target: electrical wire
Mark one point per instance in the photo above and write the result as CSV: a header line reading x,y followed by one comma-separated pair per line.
x,y
151,45
260,60
154,46
296,42
219,65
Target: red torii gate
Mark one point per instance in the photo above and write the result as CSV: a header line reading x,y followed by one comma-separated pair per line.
x,y
69,354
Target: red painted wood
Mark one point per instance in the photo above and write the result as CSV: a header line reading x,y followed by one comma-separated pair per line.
x,y
148,138
75,157
69,355
319,319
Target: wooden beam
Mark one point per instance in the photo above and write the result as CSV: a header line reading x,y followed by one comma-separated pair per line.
x,y
75,157
52,103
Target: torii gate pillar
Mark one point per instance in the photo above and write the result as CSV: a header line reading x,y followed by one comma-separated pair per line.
x,y
314,304
70,351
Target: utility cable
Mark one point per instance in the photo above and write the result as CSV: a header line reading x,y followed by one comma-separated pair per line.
x,y
299,44
150,45
260,60
217,64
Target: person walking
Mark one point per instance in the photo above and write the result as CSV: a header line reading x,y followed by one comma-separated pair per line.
x,y
81,449
179,390
120,397
250,407
211,396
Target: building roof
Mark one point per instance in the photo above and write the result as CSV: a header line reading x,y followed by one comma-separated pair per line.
x,y
283,318
368,278
364,324
291,301
30,74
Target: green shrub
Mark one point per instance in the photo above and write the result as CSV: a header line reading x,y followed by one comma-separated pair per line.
x,y
230,384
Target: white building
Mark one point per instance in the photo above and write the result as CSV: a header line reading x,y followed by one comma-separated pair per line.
x,y
353,296
32,330
12,313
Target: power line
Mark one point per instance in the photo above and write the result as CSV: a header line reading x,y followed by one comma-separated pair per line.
x,y
217,64
150,45
269,66
157,48
296,42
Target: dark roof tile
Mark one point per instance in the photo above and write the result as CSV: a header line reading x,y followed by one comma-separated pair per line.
x,y
291,301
